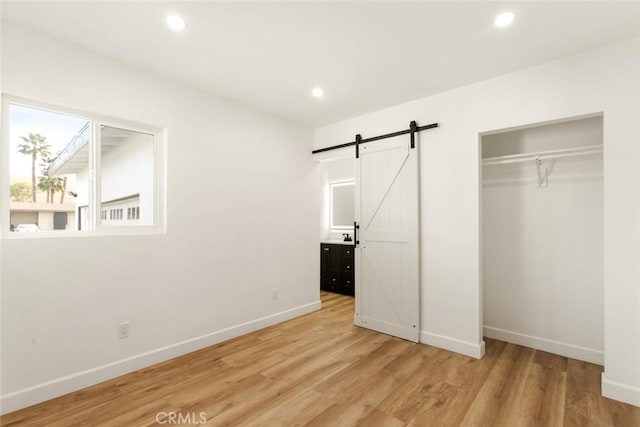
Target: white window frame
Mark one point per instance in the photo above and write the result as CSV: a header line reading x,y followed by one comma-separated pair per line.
x,y
94,181
332,185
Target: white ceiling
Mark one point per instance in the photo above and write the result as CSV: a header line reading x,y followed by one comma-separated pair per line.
x,y
366,56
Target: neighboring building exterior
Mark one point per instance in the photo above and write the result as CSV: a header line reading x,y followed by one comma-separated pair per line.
x,y
47,216
127,177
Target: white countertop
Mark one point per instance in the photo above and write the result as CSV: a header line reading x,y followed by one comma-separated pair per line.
x,y
337,242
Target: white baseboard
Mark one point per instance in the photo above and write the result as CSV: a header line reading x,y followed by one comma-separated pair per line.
x,y
453,344
622,392
556,347
39,393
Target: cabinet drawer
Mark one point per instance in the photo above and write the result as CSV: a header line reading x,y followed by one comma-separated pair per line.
x,y
330,280
347,252
346,280
347,284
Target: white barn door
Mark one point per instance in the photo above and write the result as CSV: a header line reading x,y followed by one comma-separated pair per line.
x,y
387,256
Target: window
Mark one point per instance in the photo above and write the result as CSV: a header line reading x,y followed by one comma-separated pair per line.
x,y
127,165
342,205
102,174
36,139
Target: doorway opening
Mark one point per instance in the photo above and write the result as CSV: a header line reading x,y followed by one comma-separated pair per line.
x,y
337,267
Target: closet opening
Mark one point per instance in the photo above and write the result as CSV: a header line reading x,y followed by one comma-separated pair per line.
x,y
542,232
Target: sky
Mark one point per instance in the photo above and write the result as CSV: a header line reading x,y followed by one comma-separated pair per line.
x,y
59,129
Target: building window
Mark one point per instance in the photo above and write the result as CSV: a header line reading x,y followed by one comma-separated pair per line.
x,y
133,213
101,173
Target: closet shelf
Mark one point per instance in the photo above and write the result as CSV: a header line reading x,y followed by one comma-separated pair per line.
x,y
543,155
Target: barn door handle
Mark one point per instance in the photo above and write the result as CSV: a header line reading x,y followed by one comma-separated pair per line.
x,y
356,242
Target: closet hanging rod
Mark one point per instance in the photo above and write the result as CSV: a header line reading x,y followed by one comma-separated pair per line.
x,y
543,155
539,157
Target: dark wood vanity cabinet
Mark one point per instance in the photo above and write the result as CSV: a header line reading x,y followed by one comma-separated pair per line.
x,y
337,268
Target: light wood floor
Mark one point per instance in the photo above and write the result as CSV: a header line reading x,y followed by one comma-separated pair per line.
x,y
320,370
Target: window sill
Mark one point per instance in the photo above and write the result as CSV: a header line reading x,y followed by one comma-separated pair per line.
x,y
105,231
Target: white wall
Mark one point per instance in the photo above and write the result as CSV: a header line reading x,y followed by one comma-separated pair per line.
x,y
602,80
238,189
543,248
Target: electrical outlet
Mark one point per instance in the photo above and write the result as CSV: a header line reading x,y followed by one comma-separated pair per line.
x,y
123,330
274,297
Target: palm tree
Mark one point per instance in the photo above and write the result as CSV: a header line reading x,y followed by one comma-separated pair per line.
x,y
58,185
35,145
46,184
49,184
64,189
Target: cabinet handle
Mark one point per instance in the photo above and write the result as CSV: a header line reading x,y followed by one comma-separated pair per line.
x,y
334,280
326,249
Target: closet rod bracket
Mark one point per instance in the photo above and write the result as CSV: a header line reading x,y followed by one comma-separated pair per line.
x,y
543,173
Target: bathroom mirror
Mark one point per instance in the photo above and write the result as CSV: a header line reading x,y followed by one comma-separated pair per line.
x,y
342,205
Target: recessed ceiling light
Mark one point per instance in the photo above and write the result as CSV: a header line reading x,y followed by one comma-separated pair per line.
x,y
176,23
504,19
317,92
